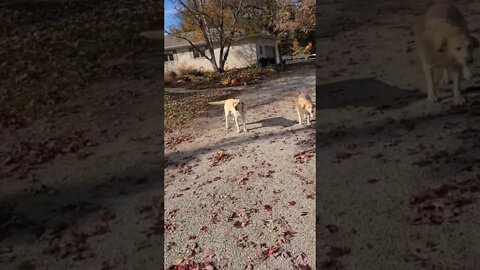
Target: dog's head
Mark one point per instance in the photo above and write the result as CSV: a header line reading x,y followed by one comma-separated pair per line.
x,y
460,46
310,108
238,104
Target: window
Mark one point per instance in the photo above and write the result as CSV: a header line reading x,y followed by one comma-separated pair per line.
x,y
260,50
196,53
169,56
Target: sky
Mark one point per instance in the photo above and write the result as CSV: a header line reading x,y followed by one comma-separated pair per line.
x,y
170,14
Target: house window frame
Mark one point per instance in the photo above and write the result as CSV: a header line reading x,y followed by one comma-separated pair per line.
x,y
170,55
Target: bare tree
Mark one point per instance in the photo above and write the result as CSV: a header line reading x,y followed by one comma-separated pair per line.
x,y
218,23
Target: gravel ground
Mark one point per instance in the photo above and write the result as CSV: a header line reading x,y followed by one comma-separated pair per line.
x,y
244,199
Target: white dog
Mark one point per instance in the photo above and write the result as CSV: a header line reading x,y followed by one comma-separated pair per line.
x,y
236,107
444,41
304,107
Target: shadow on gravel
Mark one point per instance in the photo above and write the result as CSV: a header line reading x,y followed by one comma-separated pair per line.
x,y
175,159
45,212
273,122
368,92
386,128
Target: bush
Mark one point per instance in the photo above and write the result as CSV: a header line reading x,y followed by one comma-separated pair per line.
x,y
195,72
225,81
211,76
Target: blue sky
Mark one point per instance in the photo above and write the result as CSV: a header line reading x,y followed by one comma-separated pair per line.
x,y
170,14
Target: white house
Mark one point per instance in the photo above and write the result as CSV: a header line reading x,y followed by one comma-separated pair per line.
x,y
245,51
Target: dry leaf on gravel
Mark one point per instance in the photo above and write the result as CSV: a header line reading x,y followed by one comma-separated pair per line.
x,y
191,265
26,155
171,142
220,157
304,156
248,266
445,203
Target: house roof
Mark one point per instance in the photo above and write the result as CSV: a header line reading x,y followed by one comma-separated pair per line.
x,y
174,42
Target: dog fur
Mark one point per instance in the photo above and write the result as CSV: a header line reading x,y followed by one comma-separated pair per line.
x,y
444,42
304,107
236,107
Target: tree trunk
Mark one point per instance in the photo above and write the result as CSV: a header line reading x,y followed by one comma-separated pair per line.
x,y
214,65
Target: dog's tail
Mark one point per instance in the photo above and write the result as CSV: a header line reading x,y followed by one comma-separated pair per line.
x,y
217,102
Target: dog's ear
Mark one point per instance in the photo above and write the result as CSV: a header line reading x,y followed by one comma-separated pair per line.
x,y
440,44
475,43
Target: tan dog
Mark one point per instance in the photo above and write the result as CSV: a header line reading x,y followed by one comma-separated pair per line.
x,y
236,107
444,41
304,107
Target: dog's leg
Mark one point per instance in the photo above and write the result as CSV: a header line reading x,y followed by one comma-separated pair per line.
x,y
226,119
299,115
244,123
446,79
236,122
457,95
467,74
308,119
432,97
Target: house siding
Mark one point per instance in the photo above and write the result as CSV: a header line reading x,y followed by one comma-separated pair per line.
x,y
242,54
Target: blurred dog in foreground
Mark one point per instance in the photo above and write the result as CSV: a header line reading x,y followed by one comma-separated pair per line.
x,y
444,42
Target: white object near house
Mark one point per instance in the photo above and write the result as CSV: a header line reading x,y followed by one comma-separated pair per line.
x,y
245,51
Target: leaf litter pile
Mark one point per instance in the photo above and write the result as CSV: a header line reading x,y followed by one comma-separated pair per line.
x,y
180,108
50,51
24,156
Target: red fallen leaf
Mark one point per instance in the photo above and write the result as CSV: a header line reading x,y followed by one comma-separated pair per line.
x,y
208,267
249,266
238,224
271,251
204,229
268,208
285,255
292,203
